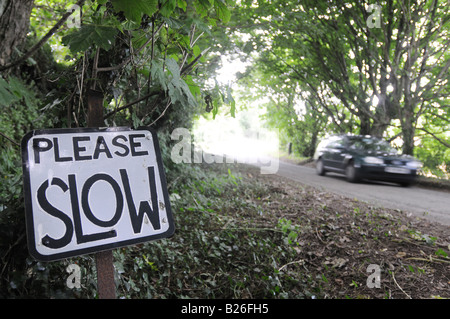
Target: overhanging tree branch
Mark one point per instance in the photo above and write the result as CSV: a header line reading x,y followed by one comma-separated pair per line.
x,y
128,59
130,104
38,45
10,139
187,68
434,136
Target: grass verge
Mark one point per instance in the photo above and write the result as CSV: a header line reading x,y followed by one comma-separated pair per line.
x,y
245,235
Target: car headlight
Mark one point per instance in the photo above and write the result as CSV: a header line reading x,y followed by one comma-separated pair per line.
x,y
373,160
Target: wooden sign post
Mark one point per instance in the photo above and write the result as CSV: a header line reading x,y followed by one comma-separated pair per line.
x,y
91,190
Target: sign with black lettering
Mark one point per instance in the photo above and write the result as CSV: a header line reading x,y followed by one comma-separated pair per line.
x,y
88,190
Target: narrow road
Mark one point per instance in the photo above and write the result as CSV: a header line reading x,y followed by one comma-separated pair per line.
x,y
433,205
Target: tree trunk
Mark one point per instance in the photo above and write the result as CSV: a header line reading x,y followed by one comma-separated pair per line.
x,y
407,122
14,25
408,132
408,139
312,144
379,125
364,125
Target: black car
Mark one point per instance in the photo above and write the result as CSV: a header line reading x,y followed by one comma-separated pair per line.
x,y
365,157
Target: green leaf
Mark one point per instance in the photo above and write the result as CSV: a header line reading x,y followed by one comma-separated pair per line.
x,y
139,38
202,7
21,91
6,97
174,93
168,7
196,50
232,102
173,67
158,74
215,109
441,252
173,23
133,10
136,120
182,4
178,88
222,11
202,26
89,35
193,87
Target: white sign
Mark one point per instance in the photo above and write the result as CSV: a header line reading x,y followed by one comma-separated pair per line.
x,y
88,190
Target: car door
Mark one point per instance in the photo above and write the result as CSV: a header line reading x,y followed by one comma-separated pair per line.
x,y
337,152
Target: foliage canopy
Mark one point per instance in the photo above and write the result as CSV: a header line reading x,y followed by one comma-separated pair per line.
x,y
353,67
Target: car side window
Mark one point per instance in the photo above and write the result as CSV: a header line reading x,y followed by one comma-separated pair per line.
x,y
323,144
357,145
336,143
328,143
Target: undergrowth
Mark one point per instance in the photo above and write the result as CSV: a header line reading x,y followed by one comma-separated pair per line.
x,y
241,235
218,251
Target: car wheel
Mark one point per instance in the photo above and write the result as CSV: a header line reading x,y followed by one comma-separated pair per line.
x,y
351,173
405,184
320,168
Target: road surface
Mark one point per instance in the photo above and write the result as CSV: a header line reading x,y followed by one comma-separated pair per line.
x,y
433,205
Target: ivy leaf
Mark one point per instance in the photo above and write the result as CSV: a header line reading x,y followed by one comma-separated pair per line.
x,y
133,10
19,89
89,35
6,97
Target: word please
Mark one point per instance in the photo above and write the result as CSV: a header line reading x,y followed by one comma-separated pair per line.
x,y
120,146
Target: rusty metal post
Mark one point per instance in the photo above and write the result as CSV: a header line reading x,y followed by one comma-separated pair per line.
x,y
105,275
103,260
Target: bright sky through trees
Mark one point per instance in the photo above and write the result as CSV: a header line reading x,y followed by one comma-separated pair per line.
x,y
243,136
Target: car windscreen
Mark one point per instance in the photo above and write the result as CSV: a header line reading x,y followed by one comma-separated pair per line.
x,y
371,145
